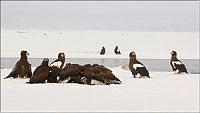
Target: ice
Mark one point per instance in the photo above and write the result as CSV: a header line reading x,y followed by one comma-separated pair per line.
x,y
163,92
87,44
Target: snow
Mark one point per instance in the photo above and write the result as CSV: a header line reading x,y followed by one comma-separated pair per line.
x,y
87,44
163,92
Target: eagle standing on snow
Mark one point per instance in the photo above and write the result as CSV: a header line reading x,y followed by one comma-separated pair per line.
x,y
176,64
41,73
22,68
55,68
137,67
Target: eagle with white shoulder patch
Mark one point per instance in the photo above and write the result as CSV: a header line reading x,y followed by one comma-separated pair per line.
x,y
135,66
176,62
56,64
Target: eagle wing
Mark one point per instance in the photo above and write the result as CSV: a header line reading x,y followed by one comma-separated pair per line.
x,y
13,72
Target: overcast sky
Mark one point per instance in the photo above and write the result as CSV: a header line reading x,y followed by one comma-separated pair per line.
x,y
101,15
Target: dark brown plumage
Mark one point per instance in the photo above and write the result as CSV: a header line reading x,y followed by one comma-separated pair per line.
x,y
22,68
117,51
103,51
88,74
94,74
107,75
41,73
72,73
55,68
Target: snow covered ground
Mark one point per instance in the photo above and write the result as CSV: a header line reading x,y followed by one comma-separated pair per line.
x,y
164,92
87,44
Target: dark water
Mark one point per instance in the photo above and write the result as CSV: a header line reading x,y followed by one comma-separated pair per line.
x,y
152,64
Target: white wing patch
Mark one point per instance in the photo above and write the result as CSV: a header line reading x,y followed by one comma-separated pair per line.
x,y
135,66
176,62
56,64
138,75
66,80
83,79
96,82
